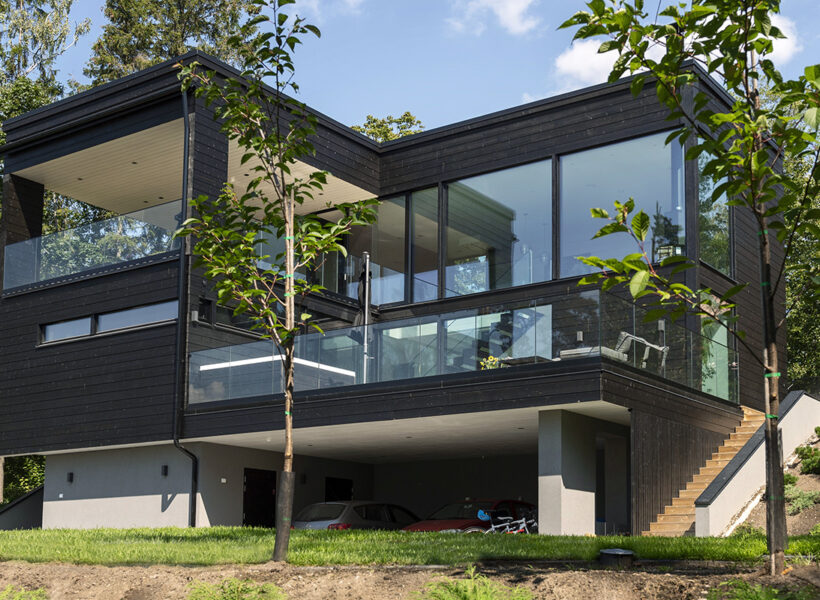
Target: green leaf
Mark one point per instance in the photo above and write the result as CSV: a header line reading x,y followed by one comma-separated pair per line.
x,y
638,282
812,117
812,74
640,225
599,213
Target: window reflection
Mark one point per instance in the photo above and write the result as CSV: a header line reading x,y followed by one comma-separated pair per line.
x,y
425,244
645,169
713,222
499,229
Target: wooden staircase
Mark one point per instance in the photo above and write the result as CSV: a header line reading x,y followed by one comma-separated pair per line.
x,y
678,518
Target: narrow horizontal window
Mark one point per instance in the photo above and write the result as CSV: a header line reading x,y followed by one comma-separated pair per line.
x,y
67,329
133,317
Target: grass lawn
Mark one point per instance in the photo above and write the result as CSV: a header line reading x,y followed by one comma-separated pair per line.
x,y
221,545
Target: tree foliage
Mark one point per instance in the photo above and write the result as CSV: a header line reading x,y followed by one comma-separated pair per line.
x,y
741,148
142,33
390,127
273,131
22,474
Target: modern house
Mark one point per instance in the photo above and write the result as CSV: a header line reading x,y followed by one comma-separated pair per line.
x,y
156,406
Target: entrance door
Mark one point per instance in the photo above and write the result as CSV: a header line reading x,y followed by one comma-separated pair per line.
x,y
259,498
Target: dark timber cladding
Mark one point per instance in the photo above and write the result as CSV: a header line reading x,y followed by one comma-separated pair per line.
x,y
107,389
565,124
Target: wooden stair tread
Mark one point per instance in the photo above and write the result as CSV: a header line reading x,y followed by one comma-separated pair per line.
x,y
678,517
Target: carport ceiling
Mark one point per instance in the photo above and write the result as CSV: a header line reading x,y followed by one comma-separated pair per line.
x,y
488,433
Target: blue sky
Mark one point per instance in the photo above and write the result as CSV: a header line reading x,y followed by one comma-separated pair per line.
x,y
449,60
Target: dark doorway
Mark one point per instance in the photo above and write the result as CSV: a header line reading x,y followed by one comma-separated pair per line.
x,y
259,498
337,488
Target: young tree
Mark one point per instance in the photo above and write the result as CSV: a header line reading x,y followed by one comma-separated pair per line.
x,y
273,131
141,33
741,147
390,127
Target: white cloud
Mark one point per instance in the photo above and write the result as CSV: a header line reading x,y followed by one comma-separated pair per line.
x,y
581,65
785,49
526,97
321,9
513,15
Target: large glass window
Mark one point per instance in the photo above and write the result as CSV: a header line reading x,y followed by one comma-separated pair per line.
x,y
385,240
713,222
425,244
499,229
644,169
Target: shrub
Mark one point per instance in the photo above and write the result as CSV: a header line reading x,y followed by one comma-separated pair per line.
x,y
737,589
800,500
235,589
817,431
746,531
810,458
815,530
789,479
475,587
13,593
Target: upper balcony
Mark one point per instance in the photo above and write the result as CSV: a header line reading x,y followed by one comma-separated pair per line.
x,y
73,252
556,328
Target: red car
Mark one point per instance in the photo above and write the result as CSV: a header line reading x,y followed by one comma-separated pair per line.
x,y
462,516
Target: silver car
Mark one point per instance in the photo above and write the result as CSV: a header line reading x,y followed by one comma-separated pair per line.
x,y
354,514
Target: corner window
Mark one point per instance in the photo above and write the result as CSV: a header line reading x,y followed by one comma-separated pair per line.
x,y
425,244
499,229
645,169
713,223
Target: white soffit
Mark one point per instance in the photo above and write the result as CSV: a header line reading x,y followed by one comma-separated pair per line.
x,y
487,433
336,191
123,175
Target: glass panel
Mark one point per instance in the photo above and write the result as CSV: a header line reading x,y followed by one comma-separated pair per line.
x,y
644,169
124,238
565,326
133,317
713,223
67,329
499,229
715,363
425,245
385,240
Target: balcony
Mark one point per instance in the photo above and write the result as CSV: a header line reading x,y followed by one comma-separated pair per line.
x,y
105,243
561,327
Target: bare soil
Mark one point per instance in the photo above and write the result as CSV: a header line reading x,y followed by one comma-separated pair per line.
x,y
547,581
803,522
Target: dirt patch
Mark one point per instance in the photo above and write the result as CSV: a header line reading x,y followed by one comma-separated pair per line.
x,y
548,581
803,522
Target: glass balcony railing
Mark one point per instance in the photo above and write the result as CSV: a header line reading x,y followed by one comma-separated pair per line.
x,y
120,239
549,329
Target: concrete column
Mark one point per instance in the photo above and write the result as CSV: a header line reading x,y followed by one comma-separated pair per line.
x,y
616,466
566,474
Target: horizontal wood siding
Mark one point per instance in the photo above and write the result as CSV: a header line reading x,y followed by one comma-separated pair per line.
x,y
598,118
665,455
108,389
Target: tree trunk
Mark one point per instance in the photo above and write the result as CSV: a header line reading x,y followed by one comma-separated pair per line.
x,y
284,494
287,479
777,539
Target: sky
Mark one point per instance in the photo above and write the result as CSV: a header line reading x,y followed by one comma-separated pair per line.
x,y
451,60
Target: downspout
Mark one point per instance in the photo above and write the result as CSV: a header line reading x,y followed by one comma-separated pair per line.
x,y
182,325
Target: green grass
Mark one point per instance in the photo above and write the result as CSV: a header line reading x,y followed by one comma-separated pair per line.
x,y
222,545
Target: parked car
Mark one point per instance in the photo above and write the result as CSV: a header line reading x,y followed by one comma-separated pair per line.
x,y
354,514
460,516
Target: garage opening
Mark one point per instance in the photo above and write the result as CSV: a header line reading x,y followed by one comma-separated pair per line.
x,y
259,498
